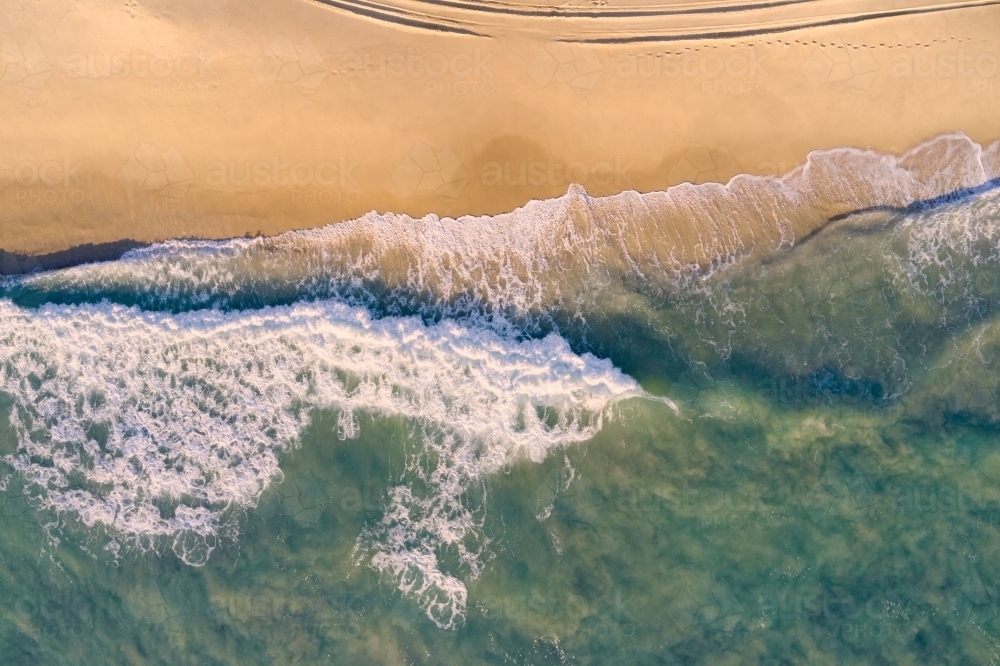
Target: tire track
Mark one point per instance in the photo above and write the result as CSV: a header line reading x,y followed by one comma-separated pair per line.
x,y
631,25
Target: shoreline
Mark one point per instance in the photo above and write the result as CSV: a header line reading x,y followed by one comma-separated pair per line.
x,y
12,263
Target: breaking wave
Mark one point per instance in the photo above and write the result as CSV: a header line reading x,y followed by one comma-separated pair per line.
x,y
538,264
155,425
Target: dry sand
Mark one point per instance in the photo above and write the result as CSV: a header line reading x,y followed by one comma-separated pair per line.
x,y
163,119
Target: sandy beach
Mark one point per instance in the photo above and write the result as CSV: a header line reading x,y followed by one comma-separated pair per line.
x,y
156,120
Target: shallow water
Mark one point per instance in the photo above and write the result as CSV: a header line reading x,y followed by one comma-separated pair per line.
x,y
265,452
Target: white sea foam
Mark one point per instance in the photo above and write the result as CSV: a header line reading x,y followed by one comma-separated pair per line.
x,y
119,412
953,255
549,256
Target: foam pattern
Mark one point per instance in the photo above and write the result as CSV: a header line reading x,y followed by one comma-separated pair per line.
x,y
158,427
953,256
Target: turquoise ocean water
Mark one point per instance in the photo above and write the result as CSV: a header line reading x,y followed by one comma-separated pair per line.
x,y
452,442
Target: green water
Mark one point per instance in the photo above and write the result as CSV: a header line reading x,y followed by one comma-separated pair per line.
x,y
826,492
746,531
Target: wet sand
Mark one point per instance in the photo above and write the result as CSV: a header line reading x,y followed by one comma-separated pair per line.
x,y
163,119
